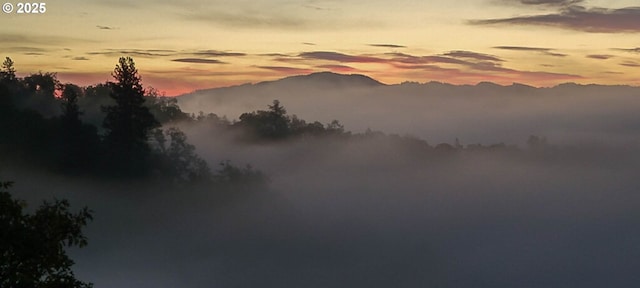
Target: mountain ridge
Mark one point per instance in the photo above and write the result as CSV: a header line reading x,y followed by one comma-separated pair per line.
x,y
339,80
432,110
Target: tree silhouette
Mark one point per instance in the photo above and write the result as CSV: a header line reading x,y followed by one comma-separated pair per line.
x,y
78,143
40,93
9,85
178,159
271,124
70,110
164,109
32,247
8,72
279,120
129,122
95,97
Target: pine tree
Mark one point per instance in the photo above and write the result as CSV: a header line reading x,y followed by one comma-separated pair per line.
x,y
77,142
8,72
8,86
70,110
128,123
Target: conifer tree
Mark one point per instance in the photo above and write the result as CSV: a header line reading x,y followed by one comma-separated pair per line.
x,y
129,122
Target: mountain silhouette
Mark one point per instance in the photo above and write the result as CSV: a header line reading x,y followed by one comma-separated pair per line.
x,y
432,110
328,79
290,89
322,80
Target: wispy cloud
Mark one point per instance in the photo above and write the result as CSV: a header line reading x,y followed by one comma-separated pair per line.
x,y
521,48
411,59
25,49
340,68
630,50
630,64
545,51
545,2
600,56
287,70
387,45
340,57
458,64
198,61
105,27
183,55
9,39
554,54
492,73
578,18
215,53
473,55
146,53
80,58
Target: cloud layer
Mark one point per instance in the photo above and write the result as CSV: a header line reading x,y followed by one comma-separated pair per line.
x,y
578,18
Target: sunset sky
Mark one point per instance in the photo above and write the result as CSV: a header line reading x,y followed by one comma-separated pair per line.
x,y
180,46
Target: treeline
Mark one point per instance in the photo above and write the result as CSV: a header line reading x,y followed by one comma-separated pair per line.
x,y
120,129
116,129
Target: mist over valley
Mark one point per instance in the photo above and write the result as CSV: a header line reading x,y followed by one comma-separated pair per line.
x,y
451,186
437,112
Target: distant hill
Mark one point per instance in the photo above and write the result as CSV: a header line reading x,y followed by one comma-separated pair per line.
x,y
315,80
434,110
248,97
326,79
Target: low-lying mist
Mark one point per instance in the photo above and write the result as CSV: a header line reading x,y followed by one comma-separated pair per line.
x,y
436,112
369,211
559,209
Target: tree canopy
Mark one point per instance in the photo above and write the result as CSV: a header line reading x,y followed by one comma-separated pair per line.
x,y
32,246
128,122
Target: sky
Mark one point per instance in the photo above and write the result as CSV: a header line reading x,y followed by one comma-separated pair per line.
x,y
181,46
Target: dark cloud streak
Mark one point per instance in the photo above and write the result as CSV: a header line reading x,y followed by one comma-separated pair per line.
x,y
546,51
340,57
387,45
600,56
339,68
133,52
630,50
547,2
457,64
288,70
215,53
473,55
578,18
198,61
630,64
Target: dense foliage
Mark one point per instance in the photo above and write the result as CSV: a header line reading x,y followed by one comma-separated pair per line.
x,y
32,246
120,129
106,130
